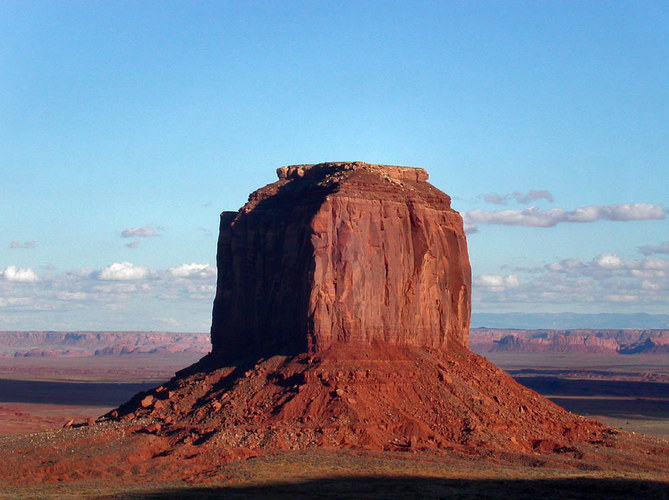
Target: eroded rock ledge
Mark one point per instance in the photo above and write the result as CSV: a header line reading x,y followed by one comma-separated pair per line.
x,y
319,169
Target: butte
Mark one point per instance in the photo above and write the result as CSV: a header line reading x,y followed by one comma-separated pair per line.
x,y
341,320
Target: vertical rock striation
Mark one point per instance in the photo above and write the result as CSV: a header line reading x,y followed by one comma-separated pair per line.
x,y
341,253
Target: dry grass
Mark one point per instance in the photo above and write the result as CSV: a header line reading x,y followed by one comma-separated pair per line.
x,y
342,474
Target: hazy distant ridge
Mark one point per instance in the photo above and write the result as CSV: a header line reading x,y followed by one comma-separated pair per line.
x,y
566,321
52,343
594,341
482,340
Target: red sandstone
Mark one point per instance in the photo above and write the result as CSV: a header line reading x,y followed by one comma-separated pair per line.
x,y
342,253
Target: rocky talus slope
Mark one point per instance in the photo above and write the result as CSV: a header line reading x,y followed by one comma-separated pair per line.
x,y
379,397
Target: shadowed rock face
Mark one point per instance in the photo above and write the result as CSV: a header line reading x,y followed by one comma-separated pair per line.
x,y
341,253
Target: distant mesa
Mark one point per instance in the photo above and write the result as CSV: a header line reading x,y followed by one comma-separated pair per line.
x,y
20,344
592,341
87,343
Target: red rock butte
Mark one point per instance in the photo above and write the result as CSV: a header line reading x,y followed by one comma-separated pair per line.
x,y
341,320
341,253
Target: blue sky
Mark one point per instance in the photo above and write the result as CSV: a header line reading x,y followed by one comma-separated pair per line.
x,y
126,127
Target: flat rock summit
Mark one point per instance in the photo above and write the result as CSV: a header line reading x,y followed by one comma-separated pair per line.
x,y
341,321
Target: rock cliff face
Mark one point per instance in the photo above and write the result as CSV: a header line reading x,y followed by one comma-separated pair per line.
x,y
341,253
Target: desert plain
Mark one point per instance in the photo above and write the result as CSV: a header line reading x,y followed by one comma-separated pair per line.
x,y
41,396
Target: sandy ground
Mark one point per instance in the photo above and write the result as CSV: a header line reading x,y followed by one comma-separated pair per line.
x,y
43,394
629,392
120,368
346,474
24,418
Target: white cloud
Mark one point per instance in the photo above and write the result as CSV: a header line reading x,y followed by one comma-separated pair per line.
x,y
632,211
653,263
71,295
496,282
496,199
121,271
193,271
140,232
564,265
536,217
167,322
469,227
24,275
133,244
608,261
607,282
522,198
647,273
615,297
651,249
92,299
649,285
15,302
18,244
532,196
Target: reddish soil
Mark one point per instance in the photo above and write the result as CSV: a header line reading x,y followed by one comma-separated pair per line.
x,y
26,418
374,398
135,368
29,406
44,393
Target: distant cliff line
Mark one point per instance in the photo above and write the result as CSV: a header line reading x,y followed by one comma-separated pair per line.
x,y
100,343
567,320
594,341
482,340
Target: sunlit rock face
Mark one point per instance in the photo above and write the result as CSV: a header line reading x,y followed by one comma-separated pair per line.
x,y
341,253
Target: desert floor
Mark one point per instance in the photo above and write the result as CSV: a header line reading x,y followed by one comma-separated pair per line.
x,y
628,392
366,475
